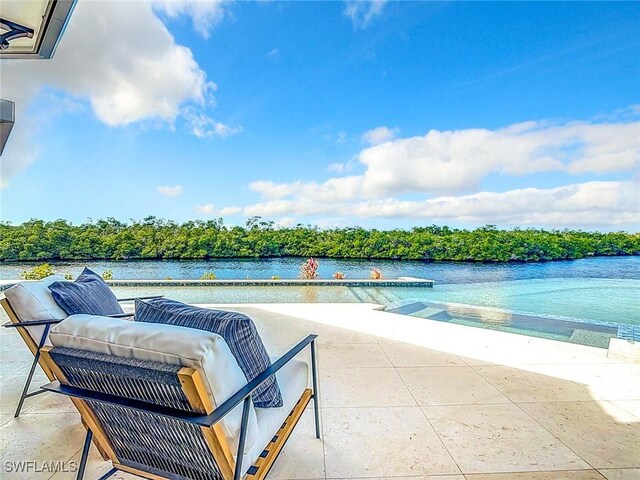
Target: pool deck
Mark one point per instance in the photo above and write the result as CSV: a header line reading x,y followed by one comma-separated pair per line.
x,y
403,398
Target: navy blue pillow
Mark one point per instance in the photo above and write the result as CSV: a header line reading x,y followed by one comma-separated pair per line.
x,y
89,294
238,331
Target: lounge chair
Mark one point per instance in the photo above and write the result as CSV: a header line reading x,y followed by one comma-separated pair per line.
x,y
32,311
171,402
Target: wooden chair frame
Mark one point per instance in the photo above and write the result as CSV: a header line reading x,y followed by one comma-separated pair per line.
x,y
36,347
193,388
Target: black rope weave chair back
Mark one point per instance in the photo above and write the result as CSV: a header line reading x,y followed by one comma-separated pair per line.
x,y
142,440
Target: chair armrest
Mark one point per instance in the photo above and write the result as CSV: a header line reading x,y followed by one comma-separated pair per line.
x,y
245,391
32,323
35,323
84,394
150,297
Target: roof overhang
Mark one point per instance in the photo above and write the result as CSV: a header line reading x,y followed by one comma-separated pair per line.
x,y
32,28
7,119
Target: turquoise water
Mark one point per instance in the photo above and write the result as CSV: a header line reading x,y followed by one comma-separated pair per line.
x,y
603,300
551,327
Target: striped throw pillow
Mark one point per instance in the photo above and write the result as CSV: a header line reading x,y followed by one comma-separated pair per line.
x,y
89,294
238,331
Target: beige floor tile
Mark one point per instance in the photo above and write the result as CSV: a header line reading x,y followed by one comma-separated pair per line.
x,y
517,350
612,381
15,360
11,388
363,387
631,406
303,454
428,477
51,403
407,355
352,355
522,385
419,477
449,386
11,340
621,474
5,417
96,467
328,334
377,442
40,438
566,475
589,429
284,332
499,438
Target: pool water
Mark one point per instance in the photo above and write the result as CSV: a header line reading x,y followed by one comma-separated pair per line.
x,y
567,329
587,311
600,300
604,300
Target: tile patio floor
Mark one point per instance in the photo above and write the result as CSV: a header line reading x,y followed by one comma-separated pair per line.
x,y
402,398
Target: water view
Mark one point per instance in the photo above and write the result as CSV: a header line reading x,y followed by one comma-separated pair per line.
x,y
627,267
596,289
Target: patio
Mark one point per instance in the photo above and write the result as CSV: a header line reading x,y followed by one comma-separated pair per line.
x,y
401,398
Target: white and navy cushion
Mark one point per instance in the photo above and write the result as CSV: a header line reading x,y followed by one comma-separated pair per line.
x,y
89,294
238,331
33,301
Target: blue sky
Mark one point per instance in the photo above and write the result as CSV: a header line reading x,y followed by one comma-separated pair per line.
x,y
380,114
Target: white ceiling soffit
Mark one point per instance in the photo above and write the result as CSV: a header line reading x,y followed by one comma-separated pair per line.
x,y
32,28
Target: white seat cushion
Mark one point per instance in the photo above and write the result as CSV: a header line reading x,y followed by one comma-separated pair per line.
x,y
169,344
33,301
293,379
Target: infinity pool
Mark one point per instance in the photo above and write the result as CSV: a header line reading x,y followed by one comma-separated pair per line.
x,y
601,300
566,329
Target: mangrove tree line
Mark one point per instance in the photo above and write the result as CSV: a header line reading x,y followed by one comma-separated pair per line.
x,y
154,238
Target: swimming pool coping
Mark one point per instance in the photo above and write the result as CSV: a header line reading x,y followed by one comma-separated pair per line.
x,y
285,282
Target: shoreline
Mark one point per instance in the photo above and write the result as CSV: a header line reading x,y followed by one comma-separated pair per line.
x,y
302,258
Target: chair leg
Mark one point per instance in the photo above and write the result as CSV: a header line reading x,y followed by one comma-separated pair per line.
x,y
243,436
32,370
85,454
314,374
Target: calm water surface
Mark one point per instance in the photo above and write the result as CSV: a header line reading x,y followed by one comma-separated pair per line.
x,y
602,289
441,272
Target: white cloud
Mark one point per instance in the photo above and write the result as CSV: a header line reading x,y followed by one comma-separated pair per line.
x,y
447,167
337,167
362,12
168,191
203,126
230,211
273,54
379,135
456,161
583,204
341,138
119,57
286,222
210,209
205,14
